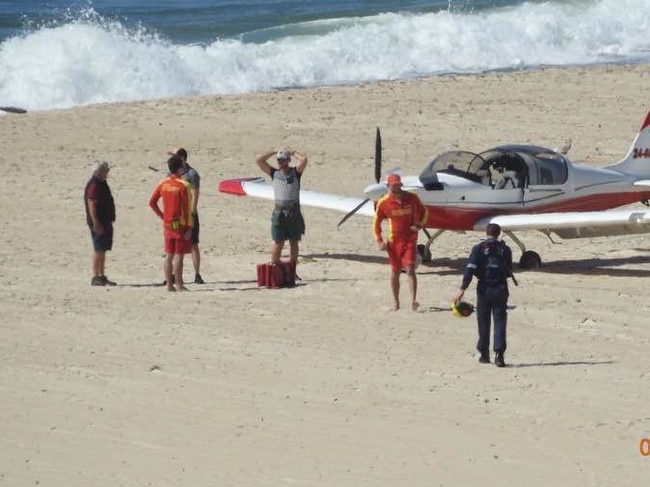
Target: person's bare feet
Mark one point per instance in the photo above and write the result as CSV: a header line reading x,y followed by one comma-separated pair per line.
x,y
415,306
171,289
395,307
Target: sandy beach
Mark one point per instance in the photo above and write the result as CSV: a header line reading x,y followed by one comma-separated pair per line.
x,y
318,385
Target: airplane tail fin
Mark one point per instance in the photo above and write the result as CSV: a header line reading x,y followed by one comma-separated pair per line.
x,y
637,161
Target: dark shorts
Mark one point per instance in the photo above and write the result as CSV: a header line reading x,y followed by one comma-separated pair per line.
x,y
102,243
195,231
287,227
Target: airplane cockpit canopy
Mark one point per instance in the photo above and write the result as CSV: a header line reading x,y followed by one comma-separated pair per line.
x,y
504,167
544,166
458,163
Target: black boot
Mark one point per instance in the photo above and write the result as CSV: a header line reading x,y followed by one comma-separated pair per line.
x,y
499,360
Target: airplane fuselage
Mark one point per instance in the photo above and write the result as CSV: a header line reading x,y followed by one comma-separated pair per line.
x,y
460,203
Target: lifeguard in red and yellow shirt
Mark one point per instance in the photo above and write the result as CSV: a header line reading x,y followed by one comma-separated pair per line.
x,y
177,221
406,215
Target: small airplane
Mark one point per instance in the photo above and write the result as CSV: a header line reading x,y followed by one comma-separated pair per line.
x,y
520,187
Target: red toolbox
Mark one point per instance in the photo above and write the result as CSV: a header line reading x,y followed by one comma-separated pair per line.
x,y
282,274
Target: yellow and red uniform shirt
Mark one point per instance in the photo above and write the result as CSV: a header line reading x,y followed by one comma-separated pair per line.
x,y
401,213
177,204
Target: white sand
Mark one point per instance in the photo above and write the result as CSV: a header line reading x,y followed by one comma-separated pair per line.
x,y
319,385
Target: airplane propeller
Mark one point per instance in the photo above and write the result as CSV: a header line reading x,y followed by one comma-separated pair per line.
x,y
377,178
377,156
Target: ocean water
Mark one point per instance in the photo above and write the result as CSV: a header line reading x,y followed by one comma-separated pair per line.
x,y
60,54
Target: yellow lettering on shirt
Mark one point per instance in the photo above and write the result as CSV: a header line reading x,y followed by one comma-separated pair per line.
x,y
400,212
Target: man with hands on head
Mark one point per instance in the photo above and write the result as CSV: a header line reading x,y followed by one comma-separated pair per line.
x,y
287,222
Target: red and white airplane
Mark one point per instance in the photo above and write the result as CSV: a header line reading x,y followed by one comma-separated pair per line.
x,y
520,187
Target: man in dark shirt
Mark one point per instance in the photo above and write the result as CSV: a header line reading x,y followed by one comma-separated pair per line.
x,y
491,262
191,175
100,215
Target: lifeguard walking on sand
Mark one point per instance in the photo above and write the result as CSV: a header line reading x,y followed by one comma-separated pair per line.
x,y
406,216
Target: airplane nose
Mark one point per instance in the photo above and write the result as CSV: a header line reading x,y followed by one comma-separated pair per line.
x,y
375,191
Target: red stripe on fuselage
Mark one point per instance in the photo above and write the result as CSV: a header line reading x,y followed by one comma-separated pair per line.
x,y
455,218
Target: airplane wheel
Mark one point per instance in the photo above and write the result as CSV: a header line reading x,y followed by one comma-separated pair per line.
x,y
530,260
424,253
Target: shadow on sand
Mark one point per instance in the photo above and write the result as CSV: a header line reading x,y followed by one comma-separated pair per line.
x,y
599,267
369,259
232,285
446,266
563,363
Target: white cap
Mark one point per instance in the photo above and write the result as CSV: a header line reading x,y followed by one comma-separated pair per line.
x,y
283,154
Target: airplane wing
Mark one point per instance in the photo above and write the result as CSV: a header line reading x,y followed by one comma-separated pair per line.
x,y
575,224
260,188
569,225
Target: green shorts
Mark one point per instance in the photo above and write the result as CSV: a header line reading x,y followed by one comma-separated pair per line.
x,y
287,225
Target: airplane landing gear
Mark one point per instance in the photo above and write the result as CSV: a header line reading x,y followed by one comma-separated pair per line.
x,y
530,260
424,250
425,253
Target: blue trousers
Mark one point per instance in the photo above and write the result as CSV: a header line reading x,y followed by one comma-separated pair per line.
x,y
492,303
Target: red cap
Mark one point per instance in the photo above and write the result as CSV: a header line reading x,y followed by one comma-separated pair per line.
x,y
394,179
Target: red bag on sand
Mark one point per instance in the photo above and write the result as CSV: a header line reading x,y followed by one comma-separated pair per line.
x,y
282,274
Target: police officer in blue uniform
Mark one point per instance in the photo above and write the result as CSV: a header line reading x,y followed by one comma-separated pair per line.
x,y
491,262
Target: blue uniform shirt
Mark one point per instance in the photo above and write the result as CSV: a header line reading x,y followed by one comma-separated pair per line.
x,y
491,262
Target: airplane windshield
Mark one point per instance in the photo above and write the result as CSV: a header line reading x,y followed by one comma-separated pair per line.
x,y
457,163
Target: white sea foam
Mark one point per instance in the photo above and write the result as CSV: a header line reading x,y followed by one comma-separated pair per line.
x,y
90,60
